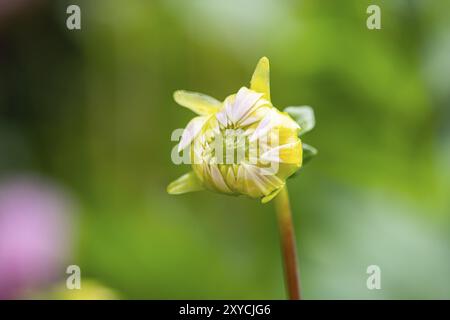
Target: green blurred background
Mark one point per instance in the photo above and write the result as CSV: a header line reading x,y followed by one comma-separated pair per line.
x,y
92,110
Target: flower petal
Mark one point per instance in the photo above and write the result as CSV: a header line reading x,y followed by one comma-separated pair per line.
x,y
218,180
261,78
221,117
192,129
271,195
257,183
264,126
287,153
186,183
248,121
245,100
228,105
197,102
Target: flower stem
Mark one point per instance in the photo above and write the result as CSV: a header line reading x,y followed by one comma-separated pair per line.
x,y
288,244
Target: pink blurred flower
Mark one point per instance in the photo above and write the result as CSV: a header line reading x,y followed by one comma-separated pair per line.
x,y
35,234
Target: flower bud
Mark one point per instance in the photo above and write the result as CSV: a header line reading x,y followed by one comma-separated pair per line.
x,y
241,146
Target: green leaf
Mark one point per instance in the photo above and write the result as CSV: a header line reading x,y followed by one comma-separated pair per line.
x,y
309,152
304,116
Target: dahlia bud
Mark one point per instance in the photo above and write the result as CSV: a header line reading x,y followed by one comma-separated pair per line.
x,y
243,145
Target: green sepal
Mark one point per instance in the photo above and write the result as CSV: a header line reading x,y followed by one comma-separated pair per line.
x,y
304,116
309,152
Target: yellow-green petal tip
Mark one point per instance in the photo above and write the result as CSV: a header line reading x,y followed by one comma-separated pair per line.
x,y
186,183
261,78
271,195
197,102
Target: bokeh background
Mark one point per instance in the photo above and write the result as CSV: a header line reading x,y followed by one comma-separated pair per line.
x,y
86,118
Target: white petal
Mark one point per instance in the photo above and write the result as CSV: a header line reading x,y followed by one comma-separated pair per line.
x,y
248,121
231,178
222,118
264,183
264,126
198,151
273,154
245,100
192,129
255,113
218,179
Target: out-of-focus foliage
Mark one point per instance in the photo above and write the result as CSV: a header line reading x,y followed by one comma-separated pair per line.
x,y
93,110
